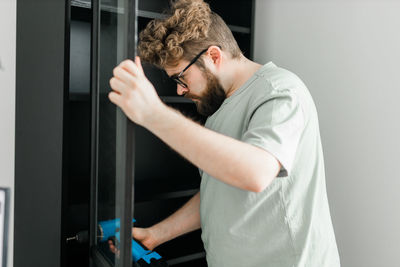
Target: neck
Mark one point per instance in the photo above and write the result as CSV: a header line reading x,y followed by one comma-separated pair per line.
x,y
238,72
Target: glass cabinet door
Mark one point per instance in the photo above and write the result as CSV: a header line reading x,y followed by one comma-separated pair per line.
x,y
113,38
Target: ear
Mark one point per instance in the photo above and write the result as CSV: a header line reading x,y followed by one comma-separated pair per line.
x,y
215,54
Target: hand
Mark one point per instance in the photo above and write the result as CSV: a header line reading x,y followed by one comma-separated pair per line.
x,y
113,247
134,93
145,236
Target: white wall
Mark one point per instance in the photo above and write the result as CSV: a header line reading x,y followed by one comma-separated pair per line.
x,y
348,53
7,105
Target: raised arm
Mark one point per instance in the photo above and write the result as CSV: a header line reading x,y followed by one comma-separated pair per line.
x,y
234,162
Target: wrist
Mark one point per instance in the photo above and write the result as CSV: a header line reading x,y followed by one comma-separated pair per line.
x,y
159,236
158,118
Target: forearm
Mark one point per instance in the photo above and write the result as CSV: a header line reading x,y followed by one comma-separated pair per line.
x,y
229,160
184,220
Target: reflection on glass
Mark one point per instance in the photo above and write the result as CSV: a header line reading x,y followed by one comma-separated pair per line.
x,y
111,27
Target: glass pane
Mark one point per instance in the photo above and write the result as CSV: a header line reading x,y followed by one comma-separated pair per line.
x,y
112,129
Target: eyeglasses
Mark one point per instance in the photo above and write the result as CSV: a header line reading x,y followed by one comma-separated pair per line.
x,y
177,77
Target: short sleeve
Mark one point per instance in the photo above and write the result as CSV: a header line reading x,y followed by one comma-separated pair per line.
x,y
276,125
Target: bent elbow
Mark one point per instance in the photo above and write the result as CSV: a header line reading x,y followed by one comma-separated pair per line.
x,y
259,188
261,184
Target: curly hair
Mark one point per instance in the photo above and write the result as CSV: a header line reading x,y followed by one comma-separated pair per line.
x,y
189,27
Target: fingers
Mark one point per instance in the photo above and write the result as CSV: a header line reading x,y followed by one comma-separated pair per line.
x,y
112,247
115,98
123,75
118,86
126,75
133,68
139,64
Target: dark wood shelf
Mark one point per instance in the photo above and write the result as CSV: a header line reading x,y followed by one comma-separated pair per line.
x,y
79,97
144,13
163,189
176,99
187,258
156,15
183,249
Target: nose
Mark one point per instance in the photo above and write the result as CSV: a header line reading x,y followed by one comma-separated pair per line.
x,y
180,90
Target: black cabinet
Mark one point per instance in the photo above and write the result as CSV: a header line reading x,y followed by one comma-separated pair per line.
x,y
75,152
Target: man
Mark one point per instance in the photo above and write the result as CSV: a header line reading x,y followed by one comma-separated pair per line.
x,y
262,200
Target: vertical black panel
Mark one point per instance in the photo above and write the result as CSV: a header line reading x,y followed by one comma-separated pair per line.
x,y
253,18
94,93
127,144
65,135
40,89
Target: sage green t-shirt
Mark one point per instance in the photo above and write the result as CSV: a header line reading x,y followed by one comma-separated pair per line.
x,y
289,223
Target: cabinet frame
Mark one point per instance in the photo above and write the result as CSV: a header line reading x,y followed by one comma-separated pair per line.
x,y
125,142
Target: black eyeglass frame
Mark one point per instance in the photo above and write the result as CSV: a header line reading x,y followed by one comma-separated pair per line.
x,y
176,77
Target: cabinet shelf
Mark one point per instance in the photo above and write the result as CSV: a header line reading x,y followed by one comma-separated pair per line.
x,y
75,96
156,15
144,13
169,195
187,258
109,7
79,97
176,99
177,250
164,189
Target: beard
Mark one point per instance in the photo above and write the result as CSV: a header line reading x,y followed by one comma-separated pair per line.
x,y
213,96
